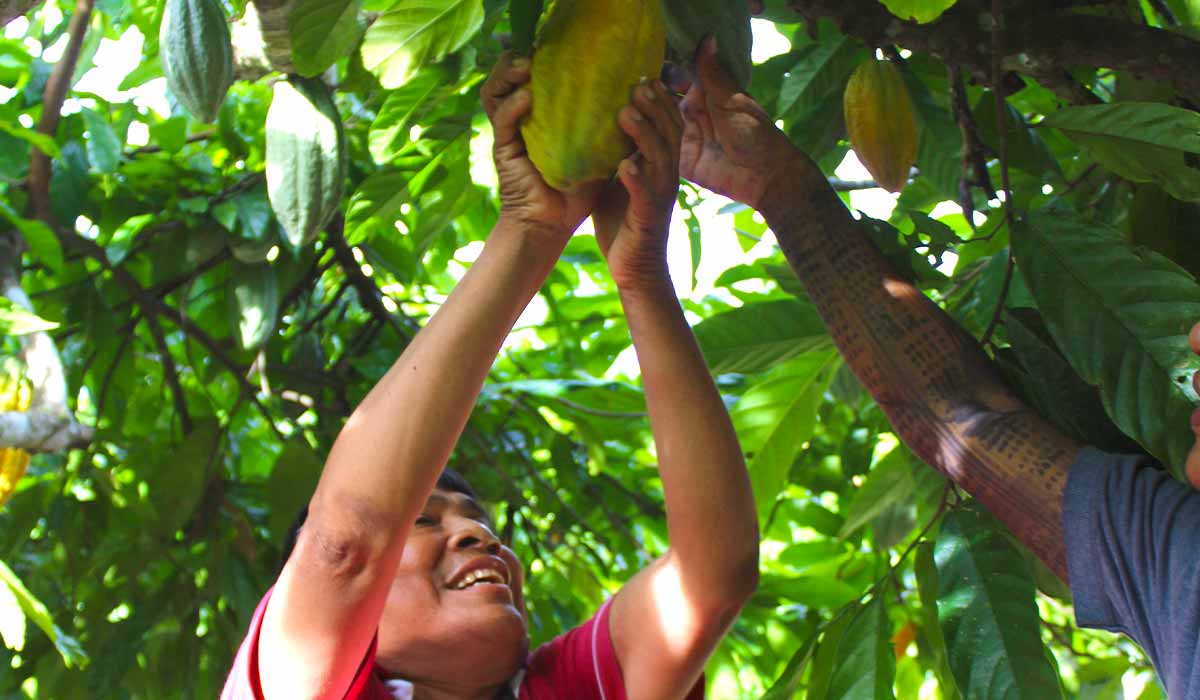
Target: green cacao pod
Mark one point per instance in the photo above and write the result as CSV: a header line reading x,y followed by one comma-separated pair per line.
x,y
689,21
589,56
253,303
196,53
881,122
306,158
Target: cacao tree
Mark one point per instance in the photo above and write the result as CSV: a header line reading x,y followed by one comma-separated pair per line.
x,y
202,274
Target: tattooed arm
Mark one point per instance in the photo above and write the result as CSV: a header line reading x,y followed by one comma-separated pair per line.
x,y
943,396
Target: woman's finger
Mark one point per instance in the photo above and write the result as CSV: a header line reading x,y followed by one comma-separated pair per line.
x,y
670,107
1194,337
657,106
650,143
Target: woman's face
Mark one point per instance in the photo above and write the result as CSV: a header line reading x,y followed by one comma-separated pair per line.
x,y
455,613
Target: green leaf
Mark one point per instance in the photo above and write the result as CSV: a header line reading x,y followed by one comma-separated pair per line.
x,y
38,236
390,131
922,11
927,589
774,418
176,480
12,619
819,75
829,651
889,482
291,485
255,303
866,664
15,320
103,146
524,15
759,336
987,613
68,648
322,31
1132,341
1140,141
38,140
415,33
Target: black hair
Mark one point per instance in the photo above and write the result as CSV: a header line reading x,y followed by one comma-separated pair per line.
x,y
449,480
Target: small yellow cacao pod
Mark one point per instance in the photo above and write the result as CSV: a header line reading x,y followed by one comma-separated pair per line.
x,y
16,394
589,56
13,463
881,122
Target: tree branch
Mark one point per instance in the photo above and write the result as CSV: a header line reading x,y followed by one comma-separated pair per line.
x,y
1041,42
52,101
12,9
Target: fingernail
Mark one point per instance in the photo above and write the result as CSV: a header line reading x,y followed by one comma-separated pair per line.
x,y
646,92
521,63
712,45
635,115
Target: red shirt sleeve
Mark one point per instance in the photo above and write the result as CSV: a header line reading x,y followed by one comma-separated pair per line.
x,y
244,682
581,665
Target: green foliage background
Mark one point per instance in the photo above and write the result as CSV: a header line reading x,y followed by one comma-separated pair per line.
x,y
217,364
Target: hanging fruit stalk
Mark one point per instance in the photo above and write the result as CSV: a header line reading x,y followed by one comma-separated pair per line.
x,y
589,56
196,53
306,158
881,123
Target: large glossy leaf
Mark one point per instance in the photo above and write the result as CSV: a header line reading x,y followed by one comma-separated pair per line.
x,y
820,74
866,665
1132,342
1140,141
928,589
986,611
756,337
391,128
889,482
775,417
322,31
414,33
15,320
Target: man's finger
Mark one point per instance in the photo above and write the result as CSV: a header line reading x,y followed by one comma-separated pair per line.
x,y
506,120
650,143
719,86
509,74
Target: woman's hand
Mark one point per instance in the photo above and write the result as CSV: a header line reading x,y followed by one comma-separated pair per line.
x,y
730,144
634,213
525,198
1193,460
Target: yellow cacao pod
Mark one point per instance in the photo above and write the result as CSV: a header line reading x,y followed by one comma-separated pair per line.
x,y
13,463
15,395
881,122
589,56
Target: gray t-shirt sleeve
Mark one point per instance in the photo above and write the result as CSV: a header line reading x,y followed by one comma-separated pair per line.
x,y
1131,535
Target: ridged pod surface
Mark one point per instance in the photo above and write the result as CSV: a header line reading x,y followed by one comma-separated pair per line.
x,y
196,53
15,395
306,158
589,56
881,122
689,21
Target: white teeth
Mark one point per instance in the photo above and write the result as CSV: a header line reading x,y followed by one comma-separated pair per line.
x,y
480,575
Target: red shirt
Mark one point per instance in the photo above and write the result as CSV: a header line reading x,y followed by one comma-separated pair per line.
x,y
580,665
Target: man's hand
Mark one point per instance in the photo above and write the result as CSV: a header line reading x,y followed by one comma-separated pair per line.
x,y
1193,460
525,198
730,145
634,212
